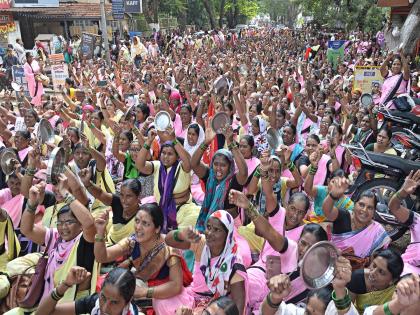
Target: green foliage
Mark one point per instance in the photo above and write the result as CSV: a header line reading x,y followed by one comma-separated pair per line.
x,y
173,7
247,8
348,14
274,8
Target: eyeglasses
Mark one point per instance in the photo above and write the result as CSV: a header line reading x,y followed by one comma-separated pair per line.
x,y
66,223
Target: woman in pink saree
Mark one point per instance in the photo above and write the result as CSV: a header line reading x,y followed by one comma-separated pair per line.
x,y
354,232
291,251
218,268
12,200
396,80
411,256
32,70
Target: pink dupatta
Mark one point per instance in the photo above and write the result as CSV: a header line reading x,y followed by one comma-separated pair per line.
x,y
294,234
364,241
321,173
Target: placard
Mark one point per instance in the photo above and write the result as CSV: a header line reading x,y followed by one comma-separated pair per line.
x,y
118,9
335,51
59,73
87,45
365,76
18,74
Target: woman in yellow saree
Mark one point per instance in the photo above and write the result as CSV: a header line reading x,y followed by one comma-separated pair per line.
x,y
376,284
68,245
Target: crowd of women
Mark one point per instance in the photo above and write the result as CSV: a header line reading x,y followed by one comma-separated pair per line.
x,y
183,220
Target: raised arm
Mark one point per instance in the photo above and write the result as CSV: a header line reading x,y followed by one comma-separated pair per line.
x,y
280,287
384,66
308,186
409,187
142,164
81,213
405,66
199,168
35,232
264,228
182,238
184,156
267,186
104,254
85,176
336,189
242,174
50,306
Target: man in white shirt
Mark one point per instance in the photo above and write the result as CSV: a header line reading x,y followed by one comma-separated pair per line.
x,y
20,50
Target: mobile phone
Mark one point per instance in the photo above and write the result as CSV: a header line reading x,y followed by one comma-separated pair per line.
x,y
101,83
273,266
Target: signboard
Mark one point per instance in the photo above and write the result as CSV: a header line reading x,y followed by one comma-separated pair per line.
x,y
118,9
18,74
56,58
365,76
335,51
5,4
7,24
59,73
36,3
133,6
87,45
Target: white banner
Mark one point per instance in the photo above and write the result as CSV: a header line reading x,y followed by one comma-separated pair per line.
x,y
59,75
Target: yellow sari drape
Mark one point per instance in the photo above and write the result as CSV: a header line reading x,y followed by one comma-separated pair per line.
x,y
373,298
62,272
13,245
118,232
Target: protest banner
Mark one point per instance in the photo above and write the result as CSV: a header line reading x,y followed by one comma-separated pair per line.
x,y
59,73
365,76
18,74
335,52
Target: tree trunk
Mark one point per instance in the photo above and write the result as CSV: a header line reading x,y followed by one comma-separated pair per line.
x,y
222,12
408,36
208,7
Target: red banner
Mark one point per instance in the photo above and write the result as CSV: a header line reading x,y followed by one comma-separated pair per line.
x,y
5,4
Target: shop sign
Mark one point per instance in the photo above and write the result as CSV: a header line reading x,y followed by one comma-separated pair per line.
x,y
36,3
118,9
5,4
7,24
133,6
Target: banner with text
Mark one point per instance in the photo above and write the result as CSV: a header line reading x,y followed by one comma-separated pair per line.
x,y
59,73
365,76
335,52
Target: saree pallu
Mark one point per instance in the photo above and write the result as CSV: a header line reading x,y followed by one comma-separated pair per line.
x,y
364,241
200,294
321,174
54,277
13,245
411,258
294,234
119,231
373,298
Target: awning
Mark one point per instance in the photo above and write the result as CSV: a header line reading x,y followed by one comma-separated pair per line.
x,y
66,10
393,3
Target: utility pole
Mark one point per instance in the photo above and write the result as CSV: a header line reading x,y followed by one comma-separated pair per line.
x,y
105,33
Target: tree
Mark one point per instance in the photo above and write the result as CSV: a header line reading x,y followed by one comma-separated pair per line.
x,y
351,14
408,36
